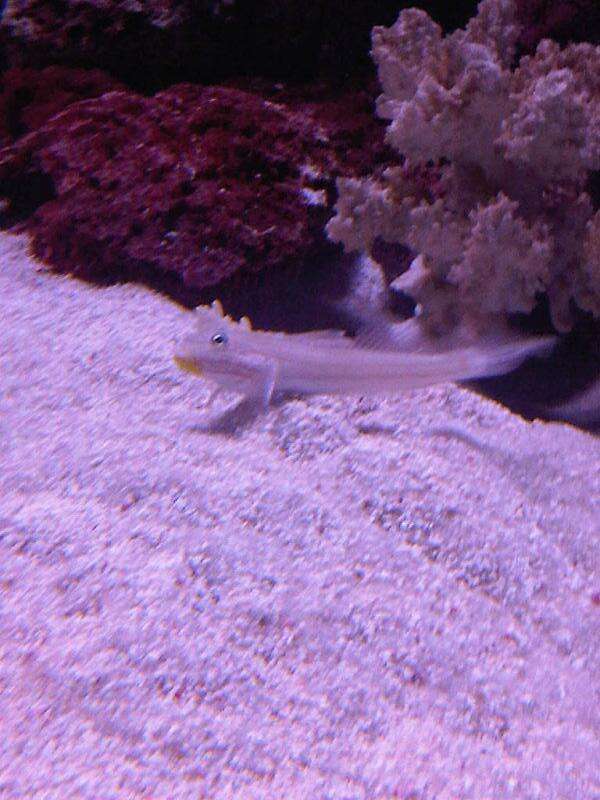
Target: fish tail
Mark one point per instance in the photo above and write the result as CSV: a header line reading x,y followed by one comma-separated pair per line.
x,y
498,359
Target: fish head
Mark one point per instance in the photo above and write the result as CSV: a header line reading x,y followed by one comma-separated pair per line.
x,y
215,350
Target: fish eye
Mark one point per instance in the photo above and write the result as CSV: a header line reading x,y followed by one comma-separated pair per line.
x,y
218,338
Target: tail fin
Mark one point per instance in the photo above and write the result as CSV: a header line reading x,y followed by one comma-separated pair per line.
x,y
492,359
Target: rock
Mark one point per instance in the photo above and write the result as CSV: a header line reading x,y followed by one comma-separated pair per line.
x,y
154,44
194,183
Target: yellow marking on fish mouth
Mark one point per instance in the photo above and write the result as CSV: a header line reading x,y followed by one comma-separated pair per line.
x,y
187,365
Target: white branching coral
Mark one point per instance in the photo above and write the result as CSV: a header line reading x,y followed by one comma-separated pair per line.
x,y
494,159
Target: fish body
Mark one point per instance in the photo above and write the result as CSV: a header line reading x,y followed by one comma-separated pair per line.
x,y
259,363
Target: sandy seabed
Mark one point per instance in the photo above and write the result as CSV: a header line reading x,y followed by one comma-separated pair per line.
x,y
349,599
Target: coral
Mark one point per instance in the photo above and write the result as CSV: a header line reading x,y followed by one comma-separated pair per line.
x,y
194,183
509,147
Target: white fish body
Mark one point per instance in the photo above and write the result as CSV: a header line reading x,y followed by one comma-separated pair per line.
x,y
259,363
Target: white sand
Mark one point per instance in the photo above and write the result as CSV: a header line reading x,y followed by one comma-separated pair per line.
x,y
341,599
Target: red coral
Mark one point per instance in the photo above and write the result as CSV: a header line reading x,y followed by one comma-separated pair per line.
x,y
195,182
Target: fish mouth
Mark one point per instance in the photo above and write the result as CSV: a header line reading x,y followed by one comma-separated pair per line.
x,y
188,365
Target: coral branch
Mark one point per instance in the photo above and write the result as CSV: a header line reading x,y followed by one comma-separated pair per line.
x,y
509,147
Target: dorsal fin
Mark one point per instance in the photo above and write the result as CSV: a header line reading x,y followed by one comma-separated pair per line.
x,y
208,317
328,337
378,331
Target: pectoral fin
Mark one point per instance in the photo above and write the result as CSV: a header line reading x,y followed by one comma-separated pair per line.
x,y
263,385
269,378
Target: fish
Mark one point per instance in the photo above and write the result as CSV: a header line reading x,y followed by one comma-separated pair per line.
x,y
259,364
